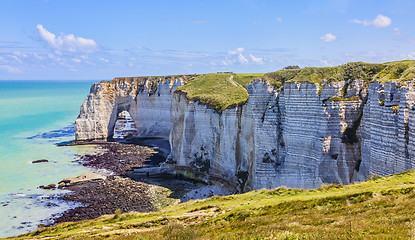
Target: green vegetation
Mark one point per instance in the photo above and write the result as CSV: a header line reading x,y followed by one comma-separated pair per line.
x,y
292,67
245,78
219,91
398,71
380,208
395,109
401,71
339,99
349,71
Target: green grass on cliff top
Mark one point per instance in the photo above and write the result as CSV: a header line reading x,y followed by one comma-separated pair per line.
x,y
219,91
226,90
393,71
381,208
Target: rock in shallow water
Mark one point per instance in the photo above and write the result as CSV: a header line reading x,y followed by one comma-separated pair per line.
x,y
49,186
40,161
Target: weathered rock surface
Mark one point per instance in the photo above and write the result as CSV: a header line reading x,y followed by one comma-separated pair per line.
x,y
66,182
148,102
298,137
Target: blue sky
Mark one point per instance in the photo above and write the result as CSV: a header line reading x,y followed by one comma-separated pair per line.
x,y
102,39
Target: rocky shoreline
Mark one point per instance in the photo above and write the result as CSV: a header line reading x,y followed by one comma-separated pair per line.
x,y
104,197
101,195
121,188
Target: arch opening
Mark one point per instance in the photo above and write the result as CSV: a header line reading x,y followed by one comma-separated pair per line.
x,y
124,126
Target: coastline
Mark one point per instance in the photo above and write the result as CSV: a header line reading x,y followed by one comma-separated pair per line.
x,y
122,190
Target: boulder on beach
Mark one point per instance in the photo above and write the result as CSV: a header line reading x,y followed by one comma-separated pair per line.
x,y
81,178
40,161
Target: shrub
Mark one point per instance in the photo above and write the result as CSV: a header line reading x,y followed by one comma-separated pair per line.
x,y
291,67
117,214
340,99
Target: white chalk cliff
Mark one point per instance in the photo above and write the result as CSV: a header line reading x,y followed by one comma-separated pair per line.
x,y
297,136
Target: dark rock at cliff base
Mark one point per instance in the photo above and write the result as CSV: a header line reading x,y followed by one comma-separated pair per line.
x,y
40,161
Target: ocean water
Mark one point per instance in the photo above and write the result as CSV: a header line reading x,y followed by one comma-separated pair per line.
x,y
34,117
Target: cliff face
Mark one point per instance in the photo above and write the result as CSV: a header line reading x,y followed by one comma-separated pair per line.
x,y
299,136
388,130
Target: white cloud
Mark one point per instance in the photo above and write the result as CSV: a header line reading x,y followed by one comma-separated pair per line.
x,y
104,60
328,37
67,42
76,60
363,22
324,62
256,60
38,57
410,56
379,21
15,58
382,21
238,53
397,31
237,57
279,19
10,69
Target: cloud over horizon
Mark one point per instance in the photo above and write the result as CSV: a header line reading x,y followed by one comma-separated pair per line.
x,y
67,42
236,57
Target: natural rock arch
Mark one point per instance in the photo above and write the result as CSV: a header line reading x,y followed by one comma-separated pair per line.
x,y
117,110
148,102
124,126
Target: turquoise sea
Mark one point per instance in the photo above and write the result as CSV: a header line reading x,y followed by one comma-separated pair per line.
x,y
34,117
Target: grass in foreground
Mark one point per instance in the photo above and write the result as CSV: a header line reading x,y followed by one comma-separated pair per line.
x,y
381,208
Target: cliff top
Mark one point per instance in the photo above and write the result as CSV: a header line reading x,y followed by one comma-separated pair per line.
x,y
380,208
225,90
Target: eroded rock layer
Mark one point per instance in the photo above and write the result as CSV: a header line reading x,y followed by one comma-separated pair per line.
x,y
297,136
